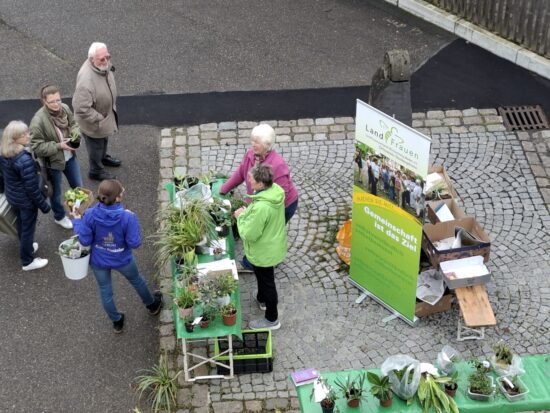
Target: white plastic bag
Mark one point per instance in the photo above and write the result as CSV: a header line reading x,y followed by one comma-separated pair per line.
x,y
405,388
446,360
430,287
514,369
198,191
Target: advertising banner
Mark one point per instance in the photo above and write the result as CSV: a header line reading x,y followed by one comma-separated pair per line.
x,y
390,168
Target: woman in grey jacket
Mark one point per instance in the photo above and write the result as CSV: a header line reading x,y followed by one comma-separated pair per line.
x,y
50,130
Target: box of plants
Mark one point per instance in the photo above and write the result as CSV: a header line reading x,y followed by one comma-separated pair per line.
x,y
77,200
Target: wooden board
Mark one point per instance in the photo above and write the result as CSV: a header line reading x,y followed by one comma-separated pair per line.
x,y
475,306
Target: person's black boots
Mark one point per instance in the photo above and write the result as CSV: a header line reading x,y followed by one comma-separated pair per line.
x,y
155,308
119,325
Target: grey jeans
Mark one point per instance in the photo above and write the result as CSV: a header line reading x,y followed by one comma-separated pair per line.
x,y
97,150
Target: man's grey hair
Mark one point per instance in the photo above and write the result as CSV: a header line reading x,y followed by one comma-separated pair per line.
x,y
93,48
265,134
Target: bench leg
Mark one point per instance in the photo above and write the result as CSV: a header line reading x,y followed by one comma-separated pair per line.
x,y
468,333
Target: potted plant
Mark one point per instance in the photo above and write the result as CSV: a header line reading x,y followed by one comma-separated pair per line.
x,y
352,389
74,137
431,394
160,385
381,388
225,285
183,182
512,387
480,384
185,299
503,357
229,314
328,403
452,385
75,258
208,314
188,322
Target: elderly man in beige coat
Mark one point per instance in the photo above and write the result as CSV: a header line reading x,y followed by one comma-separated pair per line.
x,y
94,104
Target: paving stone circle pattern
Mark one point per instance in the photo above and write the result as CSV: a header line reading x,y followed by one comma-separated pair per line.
x,y
502,178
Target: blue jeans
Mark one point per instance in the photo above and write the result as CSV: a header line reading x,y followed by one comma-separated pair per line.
x,y
131,272
26,226
72,173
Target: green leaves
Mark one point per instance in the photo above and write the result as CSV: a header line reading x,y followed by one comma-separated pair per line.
x,y
432,397
160,386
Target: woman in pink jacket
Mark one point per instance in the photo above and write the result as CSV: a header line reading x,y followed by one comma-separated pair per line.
x,y
262,139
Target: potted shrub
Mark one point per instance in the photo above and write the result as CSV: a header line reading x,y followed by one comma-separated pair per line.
x,y
188,322
353,389
160,385
208,314
452,385
512,387
504,361
74,137
381,388
328,403
480,384
225,285
185,300
431,394
229,314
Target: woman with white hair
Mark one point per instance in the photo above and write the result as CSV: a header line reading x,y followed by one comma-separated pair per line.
x,y
18,169
261,151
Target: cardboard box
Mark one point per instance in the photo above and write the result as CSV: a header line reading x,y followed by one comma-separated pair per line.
x,y
432,207
465,272
436,232
451,192
84,204
423,309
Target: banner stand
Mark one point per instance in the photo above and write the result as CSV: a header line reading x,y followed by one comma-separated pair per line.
x,y
367,294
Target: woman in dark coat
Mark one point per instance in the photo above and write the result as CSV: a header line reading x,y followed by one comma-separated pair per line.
x,y
22,191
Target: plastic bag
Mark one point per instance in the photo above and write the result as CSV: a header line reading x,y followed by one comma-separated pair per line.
x,y
344,242
429,286
198,191
447,358
514,369
405,388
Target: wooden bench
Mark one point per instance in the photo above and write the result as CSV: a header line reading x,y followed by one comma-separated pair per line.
x,y
476,311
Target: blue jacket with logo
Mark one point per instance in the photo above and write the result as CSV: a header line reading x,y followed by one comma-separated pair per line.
x,y
112,231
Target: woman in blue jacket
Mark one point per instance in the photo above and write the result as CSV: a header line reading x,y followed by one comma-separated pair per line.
x,y
18,169
112,232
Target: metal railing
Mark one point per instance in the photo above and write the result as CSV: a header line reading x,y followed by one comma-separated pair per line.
x,y
524,22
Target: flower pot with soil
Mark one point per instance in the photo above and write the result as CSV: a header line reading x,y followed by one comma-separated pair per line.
x,y
185,300
74,137
512,387
353,389
229,314
380,388
480,386
75,258
328,402
208,315
189,326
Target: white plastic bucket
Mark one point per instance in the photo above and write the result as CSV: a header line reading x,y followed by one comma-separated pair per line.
x,y
75,268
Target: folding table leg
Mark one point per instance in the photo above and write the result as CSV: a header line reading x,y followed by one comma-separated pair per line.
x,y
469,333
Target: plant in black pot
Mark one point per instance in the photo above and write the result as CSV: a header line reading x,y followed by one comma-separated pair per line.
x,y
328,402
74,137
380,388
353,389
452,385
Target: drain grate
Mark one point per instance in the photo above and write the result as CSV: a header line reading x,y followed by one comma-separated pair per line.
x,y
523,118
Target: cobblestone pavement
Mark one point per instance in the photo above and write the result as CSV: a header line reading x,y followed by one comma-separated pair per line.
x,y
321,324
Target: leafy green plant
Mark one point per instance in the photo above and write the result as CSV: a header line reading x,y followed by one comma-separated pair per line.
x,y
225,284
330,398
478,381
503,353
160,386
381,386
431,395
228,309
186,298
352,389
74,134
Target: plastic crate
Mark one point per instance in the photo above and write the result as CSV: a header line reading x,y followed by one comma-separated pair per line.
x,y
252,354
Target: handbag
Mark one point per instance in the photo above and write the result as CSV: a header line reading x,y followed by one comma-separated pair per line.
x,y
44,179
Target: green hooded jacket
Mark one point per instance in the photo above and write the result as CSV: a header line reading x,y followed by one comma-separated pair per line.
x,y
262,227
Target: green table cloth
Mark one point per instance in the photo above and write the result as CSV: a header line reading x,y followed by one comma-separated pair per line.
x,y
536,378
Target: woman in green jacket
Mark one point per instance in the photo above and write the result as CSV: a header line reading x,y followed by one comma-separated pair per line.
x,y
50,130
262,229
